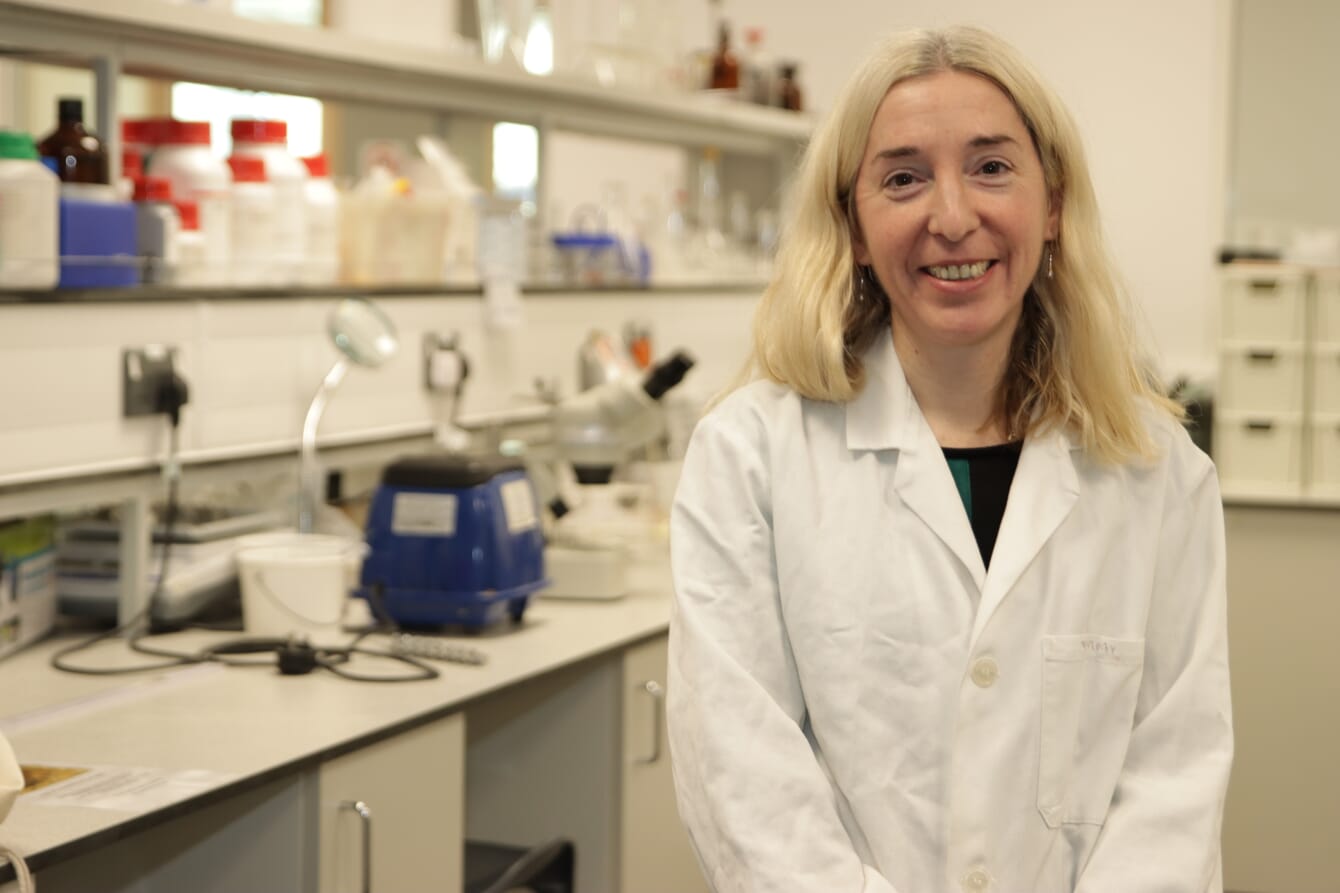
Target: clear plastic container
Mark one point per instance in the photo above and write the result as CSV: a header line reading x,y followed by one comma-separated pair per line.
x,y
184,157
256,260
287,175
29,233
323,224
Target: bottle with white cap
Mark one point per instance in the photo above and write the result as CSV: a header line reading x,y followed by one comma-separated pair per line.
x,y
184,157
268,141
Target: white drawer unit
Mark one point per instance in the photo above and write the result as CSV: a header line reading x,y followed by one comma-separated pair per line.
x,y
1259,454
1325,363
1265,304
1326,320
1324,461
1262,378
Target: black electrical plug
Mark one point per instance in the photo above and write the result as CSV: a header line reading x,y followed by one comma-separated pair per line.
x,y
171,396
296,658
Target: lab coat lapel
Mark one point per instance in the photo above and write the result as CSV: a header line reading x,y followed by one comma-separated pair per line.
x,y
885,415
1043,492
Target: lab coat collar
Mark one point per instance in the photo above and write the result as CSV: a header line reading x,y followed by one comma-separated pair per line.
x,y
885,415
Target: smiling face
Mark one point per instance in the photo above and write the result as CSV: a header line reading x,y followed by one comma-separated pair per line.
x,y
952,210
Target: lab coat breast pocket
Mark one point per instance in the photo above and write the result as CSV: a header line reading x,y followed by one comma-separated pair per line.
x,y
1089,689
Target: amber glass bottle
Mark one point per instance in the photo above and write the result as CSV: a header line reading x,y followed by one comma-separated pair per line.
x,y
725,67
789,95
79,155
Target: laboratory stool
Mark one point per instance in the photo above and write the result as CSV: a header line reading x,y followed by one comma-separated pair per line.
x,y
497,868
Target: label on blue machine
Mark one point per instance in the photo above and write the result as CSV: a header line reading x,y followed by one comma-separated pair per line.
x,y
424,514
519,506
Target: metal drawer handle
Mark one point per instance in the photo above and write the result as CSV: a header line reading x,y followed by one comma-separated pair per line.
x,y
653,688
1259,356
365,817
1264,284
1260,426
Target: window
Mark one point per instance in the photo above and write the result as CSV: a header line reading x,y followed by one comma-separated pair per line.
x,y
220,105
516,162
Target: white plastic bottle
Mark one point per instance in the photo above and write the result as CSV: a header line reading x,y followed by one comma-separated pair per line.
x,y
268,141
184,157
323,224
158,229
29,233
192,265
256,262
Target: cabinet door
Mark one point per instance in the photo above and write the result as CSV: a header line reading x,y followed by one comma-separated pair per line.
x,y
411,788
655,855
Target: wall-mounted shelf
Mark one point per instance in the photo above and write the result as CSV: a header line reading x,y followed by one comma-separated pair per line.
x,y
158,39
165,293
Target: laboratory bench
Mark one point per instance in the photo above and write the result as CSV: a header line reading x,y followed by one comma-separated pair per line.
x,y
558,734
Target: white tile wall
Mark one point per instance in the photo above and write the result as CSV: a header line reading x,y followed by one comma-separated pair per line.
x,y
254,365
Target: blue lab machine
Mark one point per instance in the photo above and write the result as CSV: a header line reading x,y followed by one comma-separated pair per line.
x,y
453,540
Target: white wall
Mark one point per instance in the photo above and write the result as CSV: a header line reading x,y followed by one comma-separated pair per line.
x,y
1285,130
253,365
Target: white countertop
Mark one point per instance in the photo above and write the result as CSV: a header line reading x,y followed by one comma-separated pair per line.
x,y
254,724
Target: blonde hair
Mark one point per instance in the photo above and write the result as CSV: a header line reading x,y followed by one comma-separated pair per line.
x,y
1075,361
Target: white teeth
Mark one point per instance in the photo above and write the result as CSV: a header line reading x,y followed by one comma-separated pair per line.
x,y
955,272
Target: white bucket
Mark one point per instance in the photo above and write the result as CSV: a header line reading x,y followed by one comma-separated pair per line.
x,y
297,584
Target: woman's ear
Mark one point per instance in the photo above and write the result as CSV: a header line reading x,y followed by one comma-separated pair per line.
x,y
1053,216
859,250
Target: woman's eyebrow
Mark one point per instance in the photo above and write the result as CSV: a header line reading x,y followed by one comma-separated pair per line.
x,y
998,139
978,142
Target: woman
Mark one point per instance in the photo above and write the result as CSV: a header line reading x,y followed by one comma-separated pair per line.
x,y
950,608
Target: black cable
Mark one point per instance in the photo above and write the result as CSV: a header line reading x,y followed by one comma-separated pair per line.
x,y
172,395
291,656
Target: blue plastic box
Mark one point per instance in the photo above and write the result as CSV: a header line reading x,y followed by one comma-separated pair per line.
x,y
97,244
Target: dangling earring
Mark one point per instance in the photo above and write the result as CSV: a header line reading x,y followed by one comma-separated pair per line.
x,y
860,283
1050,252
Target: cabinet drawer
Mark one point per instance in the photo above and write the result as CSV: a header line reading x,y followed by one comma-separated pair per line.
x,y
1326,380
1261,453
1265,305
1326,324
1324,464
1261,378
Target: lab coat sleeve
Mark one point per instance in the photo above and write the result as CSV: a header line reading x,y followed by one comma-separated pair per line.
x,y
1162,833
757,805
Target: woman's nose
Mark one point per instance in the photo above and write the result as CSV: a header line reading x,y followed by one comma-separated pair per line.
x,y
952,214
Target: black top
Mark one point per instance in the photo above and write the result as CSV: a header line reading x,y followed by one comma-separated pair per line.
x,y
983,476
447,470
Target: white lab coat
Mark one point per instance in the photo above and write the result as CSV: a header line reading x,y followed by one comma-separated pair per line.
x,y
856,704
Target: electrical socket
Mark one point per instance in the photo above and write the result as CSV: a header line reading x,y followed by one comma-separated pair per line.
x,y
144,371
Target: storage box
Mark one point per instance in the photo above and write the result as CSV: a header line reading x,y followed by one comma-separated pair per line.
x,y
1264,304
1259,454
1324,462
387,240
1261,378
27,582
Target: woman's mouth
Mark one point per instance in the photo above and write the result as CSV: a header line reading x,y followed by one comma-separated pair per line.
x,y
960,272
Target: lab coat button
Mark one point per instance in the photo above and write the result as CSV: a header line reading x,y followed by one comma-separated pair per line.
x,y
976,881
985,672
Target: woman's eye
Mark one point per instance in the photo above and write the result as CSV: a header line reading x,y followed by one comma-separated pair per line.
x,y
995,168
900,180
